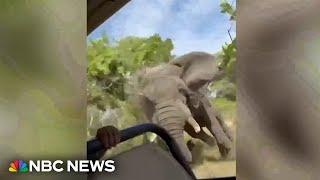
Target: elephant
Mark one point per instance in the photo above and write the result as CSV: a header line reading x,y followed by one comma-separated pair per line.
x,y
172,96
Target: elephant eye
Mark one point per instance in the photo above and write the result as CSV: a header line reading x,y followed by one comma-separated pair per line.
x,y
182,91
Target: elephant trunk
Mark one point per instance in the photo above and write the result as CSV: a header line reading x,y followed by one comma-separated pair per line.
x,y
172,118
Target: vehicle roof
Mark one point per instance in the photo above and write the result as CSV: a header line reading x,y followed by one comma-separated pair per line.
x,y
100,10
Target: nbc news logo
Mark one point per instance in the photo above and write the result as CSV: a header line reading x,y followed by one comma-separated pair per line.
x,y
20,166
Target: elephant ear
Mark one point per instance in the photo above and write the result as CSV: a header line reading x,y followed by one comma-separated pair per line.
x,y
199,69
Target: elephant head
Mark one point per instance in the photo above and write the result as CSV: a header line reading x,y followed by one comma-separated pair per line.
x,y
167,95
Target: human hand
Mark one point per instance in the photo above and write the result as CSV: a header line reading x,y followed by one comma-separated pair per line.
x,y
109,136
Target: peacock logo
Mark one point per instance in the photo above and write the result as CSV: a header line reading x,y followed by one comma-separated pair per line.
x,y
18,166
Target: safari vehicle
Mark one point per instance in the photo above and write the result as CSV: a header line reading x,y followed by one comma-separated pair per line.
x,y
147,161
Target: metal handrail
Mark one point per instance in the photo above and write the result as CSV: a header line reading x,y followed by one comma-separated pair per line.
x,y
94,146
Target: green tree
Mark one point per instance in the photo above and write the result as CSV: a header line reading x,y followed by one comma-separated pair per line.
x,y
228,55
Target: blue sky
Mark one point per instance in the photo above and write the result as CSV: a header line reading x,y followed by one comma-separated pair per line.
x,y
193,25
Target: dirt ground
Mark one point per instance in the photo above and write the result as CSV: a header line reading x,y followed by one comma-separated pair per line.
x,y
215,169
210,166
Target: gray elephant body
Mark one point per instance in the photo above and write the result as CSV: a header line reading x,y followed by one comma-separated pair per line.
x,y
172,98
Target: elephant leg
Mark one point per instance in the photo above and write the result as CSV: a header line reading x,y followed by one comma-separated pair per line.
x,y
212,123
202,135
225,128
223,141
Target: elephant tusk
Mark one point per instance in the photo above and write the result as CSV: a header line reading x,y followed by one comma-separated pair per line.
x,y
194,124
